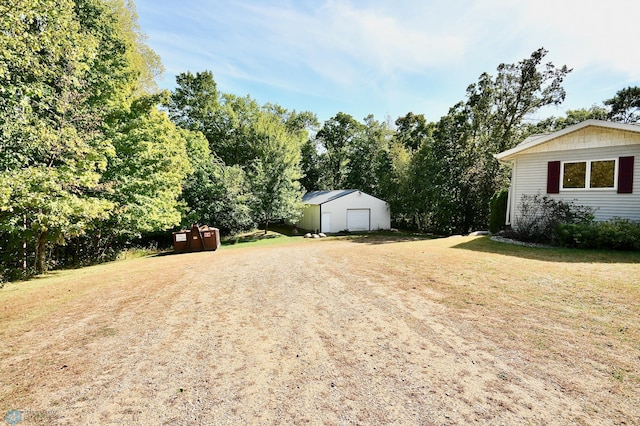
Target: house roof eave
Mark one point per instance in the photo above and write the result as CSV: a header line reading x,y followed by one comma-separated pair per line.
x,y
535,140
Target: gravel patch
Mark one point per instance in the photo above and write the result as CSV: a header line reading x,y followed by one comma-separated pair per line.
x,y
339,332
518,243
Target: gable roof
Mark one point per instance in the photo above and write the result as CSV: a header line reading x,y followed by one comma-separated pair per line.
x,y
321,197
540,139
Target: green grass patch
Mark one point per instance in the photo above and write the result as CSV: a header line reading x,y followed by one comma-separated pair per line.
x,y
554,254
136,253
257,238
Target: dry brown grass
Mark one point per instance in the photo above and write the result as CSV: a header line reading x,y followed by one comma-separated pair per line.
x,y
403,330
570,316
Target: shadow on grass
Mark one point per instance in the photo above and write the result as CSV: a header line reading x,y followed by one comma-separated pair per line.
x,y
251,238
287,231
169,253
384,237
549,254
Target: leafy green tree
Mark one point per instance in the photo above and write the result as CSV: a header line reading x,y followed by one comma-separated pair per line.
x,y
66,67
46,208
218,195
254,154
412,130
225,120
364,155
195,102
553,124
499,105
235,134
336,137
275,173
491,120
440,171
404,173
214,193
52,151
142,62
146,172
311,168
302,124
297,122
625,105
394,181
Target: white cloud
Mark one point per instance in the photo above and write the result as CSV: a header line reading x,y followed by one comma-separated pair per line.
x,y
392,56
583,34
386,44
335,41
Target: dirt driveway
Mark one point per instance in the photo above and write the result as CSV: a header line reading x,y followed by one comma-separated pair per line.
x,y
318,332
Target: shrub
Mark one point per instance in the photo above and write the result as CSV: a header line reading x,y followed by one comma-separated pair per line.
x,y
498,211
614,234
539,216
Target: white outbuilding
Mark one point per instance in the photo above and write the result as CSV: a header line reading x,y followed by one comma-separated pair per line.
x,y
347,209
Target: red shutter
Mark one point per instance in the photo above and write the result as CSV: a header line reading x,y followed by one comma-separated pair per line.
x,y
625,175
553,177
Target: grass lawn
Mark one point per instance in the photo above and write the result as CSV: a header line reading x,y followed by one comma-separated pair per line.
x,y
564,318
554,304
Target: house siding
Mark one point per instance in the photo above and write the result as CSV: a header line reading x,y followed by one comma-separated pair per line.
x,y
587,138
531,176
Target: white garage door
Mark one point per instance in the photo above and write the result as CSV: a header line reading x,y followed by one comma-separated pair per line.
x,y
358,219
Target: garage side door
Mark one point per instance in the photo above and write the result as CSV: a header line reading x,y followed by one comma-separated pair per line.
x,y
358,219
325,224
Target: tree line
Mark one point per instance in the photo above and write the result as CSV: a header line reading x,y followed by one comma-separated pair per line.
x,y
94,157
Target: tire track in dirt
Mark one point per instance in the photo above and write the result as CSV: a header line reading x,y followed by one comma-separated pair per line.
x,y
295,334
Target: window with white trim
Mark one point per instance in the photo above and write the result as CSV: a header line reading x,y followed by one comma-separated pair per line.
x,y
594,174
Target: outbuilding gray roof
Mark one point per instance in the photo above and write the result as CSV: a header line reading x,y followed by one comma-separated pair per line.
x,y
321,197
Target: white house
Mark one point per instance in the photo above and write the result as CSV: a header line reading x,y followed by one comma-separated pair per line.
x,y
591,164
348,209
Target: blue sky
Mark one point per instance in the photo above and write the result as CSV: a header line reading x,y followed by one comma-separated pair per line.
x,y
388,58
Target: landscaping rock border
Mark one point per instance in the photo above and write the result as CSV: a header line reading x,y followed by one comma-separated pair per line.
x,y
518,243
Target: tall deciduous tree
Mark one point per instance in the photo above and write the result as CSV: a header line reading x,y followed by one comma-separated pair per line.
x,y
311,167
575,116
336,137
146,171
303,125
254,153
66,69
440,171
217,192
275,173
365,153
406,179
412,130
224,119
394,181
489,121
51,144
214,193
143,63
625,105
195,102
